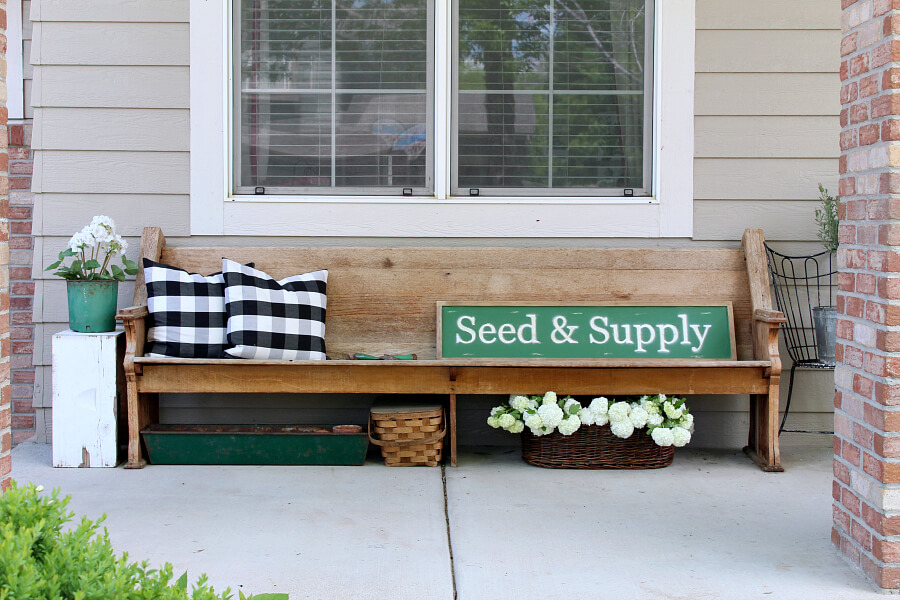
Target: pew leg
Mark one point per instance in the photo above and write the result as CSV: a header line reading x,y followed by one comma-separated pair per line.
x,y
142,408
763,443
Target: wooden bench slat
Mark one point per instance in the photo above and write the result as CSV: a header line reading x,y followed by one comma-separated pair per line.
x,y
394,378
281,262
599,363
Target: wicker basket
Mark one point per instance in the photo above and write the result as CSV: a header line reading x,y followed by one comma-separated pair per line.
x,y
593,447
409,436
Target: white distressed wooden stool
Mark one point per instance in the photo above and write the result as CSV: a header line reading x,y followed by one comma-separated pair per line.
x,y
87,375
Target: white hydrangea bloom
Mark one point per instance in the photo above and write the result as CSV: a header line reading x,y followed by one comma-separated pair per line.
x,y
506,420
587,416
493,422
638,417
671,411
533,421
517,427
619,411
599,406
550,398
680,436
655,419
687,421
551,414
622,428
601,419
663,436
520,403
496,411
570,402
569,425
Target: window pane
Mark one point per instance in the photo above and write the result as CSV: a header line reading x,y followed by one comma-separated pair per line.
x,y
552,95
286,140
503,140
286,44
334,95
593,142
382,44
381,140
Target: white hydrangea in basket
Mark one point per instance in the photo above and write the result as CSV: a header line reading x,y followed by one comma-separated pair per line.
x,y
667,420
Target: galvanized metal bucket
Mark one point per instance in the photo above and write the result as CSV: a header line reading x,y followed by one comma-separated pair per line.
x,y
825,323
92,305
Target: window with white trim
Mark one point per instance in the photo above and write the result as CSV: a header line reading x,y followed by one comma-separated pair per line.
x,y
546,97
478,122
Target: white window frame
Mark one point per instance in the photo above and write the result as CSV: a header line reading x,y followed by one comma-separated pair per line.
x,y
668,213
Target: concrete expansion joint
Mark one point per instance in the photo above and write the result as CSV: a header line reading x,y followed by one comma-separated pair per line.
x,y
449,534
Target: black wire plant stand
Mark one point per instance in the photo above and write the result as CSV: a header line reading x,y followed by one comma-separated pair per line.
x,y
801,284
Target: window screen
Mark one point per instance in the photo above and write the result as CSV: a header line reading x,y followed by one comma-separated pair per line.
x,y
553,95
333,96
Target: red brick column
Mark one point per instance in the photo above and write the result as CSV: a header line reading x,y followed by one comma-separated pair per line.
x,y
866,486
21,163
5,395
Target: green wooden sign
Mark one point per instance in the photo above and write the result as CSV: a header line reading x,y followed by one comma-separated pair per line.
x,y
573,331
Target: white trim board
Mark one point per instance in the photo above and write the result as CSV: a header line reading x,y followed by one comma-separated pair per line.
x,y
216,211
15,66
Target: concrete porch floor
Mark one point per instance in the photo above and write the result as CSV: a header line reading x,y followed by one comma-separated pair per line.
x,y
711,526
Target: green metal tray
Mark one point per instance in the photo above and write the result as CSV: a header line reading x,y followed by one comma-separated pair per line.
x,y
253,445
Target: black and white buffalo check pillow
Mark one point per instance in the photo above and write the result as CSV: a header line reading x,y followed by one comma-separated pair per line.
x,y
187,312
274,320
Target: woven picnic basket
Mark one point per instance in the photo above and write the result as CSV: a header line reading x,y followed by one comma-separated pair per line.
x,y
409,435
593,447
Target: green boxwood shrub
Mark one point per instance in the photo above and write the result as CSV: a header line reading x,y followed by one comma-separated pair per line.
x,y
40,559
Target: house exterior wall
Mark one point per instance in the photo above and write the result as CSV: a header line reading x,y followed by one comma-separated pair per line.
x,y
111,136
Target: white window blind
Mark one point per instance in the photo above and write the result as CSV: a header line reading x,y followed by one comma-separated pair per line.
x,y
333,96
554,95
549,97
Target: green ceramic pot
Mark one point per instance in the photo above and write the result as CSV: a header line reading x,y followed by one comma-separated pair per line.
x,y
92,305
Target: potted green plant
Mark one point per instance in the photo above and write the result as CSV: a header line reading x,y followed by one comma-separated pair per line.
x,y
92,280
825,317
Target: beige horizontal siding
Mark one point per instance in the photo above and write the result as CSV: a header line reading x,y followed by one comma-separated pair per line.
x,y
763,179
768,51
767,136
112,86
768,14
27,67
781,94
29,107
113,11
114,44
139,129
766,126
112,172
132,212
718,220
